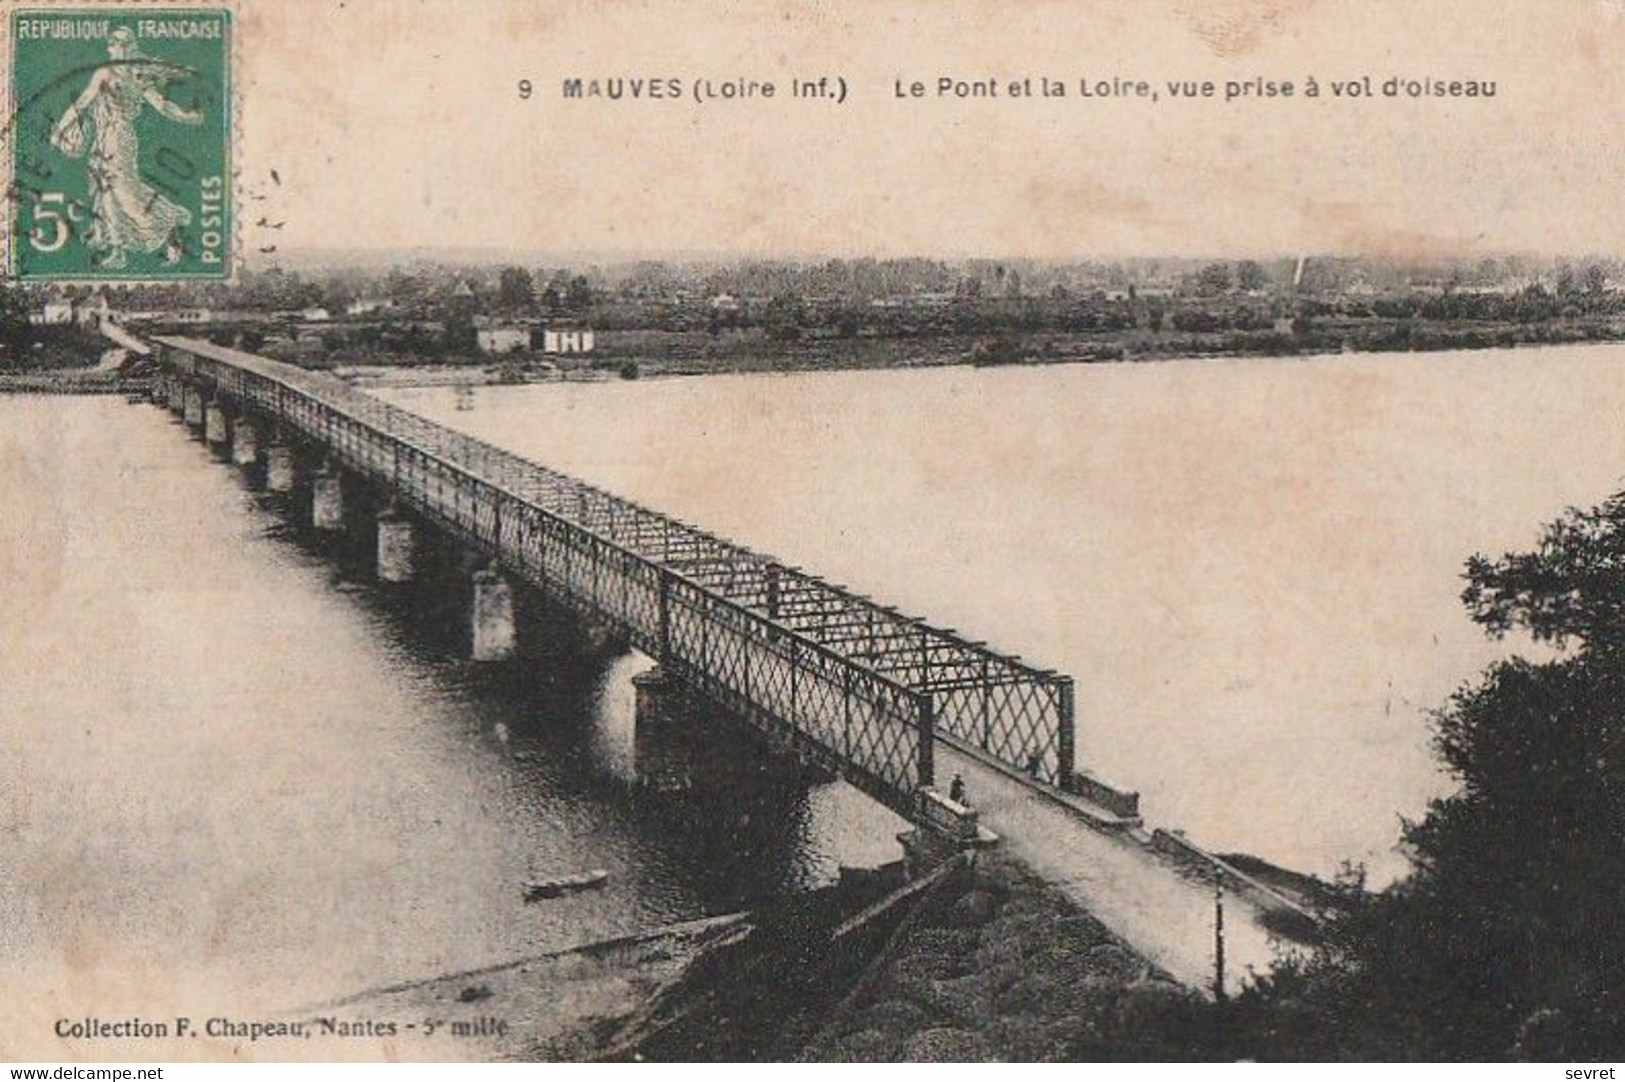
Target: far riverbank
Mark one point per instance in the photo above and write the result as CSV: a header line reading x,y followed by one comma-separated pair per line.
x,y
662,354
67,381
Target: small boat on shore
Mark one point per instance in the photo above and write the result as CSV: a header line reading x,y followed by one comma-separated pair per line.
x,y
570,884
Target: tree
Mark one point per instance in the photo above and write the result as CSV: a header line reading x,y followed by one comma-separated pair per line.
x,y
784,317
1534,304
14,325
336,298
459,335
1568,284
515,290
578,295
403,289
1250,276
1214,278
1594,278
849,322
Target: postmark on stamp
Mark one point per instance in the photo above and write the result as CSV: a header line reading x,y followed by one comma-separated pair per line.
x,y
120,144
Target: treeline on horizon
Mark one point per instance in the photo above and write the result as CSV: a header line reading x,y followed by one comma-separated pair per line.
x,y
517,285
1017,311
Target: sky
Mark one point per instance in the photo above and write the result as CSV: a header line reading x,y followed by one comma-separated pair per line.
x,y
398,124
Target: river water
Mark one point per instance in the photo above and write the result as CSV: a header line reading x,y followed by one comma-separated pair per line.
x,y
234,772
238,778
1251,567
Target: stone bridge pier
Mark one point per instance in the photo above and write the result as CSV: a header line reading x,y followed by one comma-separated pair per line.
x,y
281,465
396,557
662,757
716,777
493,633
245,440
684,742
364,524
192,406
216,427
327,499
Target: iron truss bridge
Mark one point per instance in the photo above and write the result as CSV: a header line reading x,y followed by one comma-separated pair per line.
x,y
854,684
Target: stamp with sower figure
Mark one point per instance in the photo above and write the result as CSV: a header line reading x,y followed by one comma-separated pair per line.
x,y
120,149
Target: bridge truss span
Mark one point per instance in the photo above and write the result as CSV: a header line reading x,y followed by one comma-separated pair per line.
x,y
858,685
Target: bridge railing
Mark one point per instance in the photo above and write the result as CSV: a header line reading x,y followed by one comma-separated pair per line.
x,y
1018,714
983,699
874,729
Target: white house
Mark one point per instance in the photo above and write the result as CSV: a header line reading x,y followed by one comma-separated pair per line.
x,y
567,341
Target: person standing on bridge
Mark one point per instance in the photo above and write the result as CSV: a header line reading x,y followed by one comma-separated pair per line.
x,y
956,789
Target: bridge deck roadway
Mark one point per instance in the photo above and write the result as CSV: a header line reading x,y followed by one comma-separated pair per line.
x,y
1134,892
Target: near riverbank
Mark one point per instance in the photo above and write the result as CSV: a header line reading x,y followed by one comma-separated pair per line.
x,y
1007,969
983,963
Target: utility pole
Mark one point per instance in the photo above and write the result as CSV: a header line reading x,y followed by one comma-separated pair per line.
x,y
1218,940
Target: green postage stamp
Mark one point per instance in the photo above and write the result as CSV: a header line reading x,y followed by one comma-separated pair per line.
x,y
120,144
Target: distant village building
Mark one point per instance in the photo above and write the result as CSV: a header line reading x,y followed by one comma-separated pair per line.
x,y
306,348
59,311
567,341
502,338
366,306
315,314
725,303
94,311
53,313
